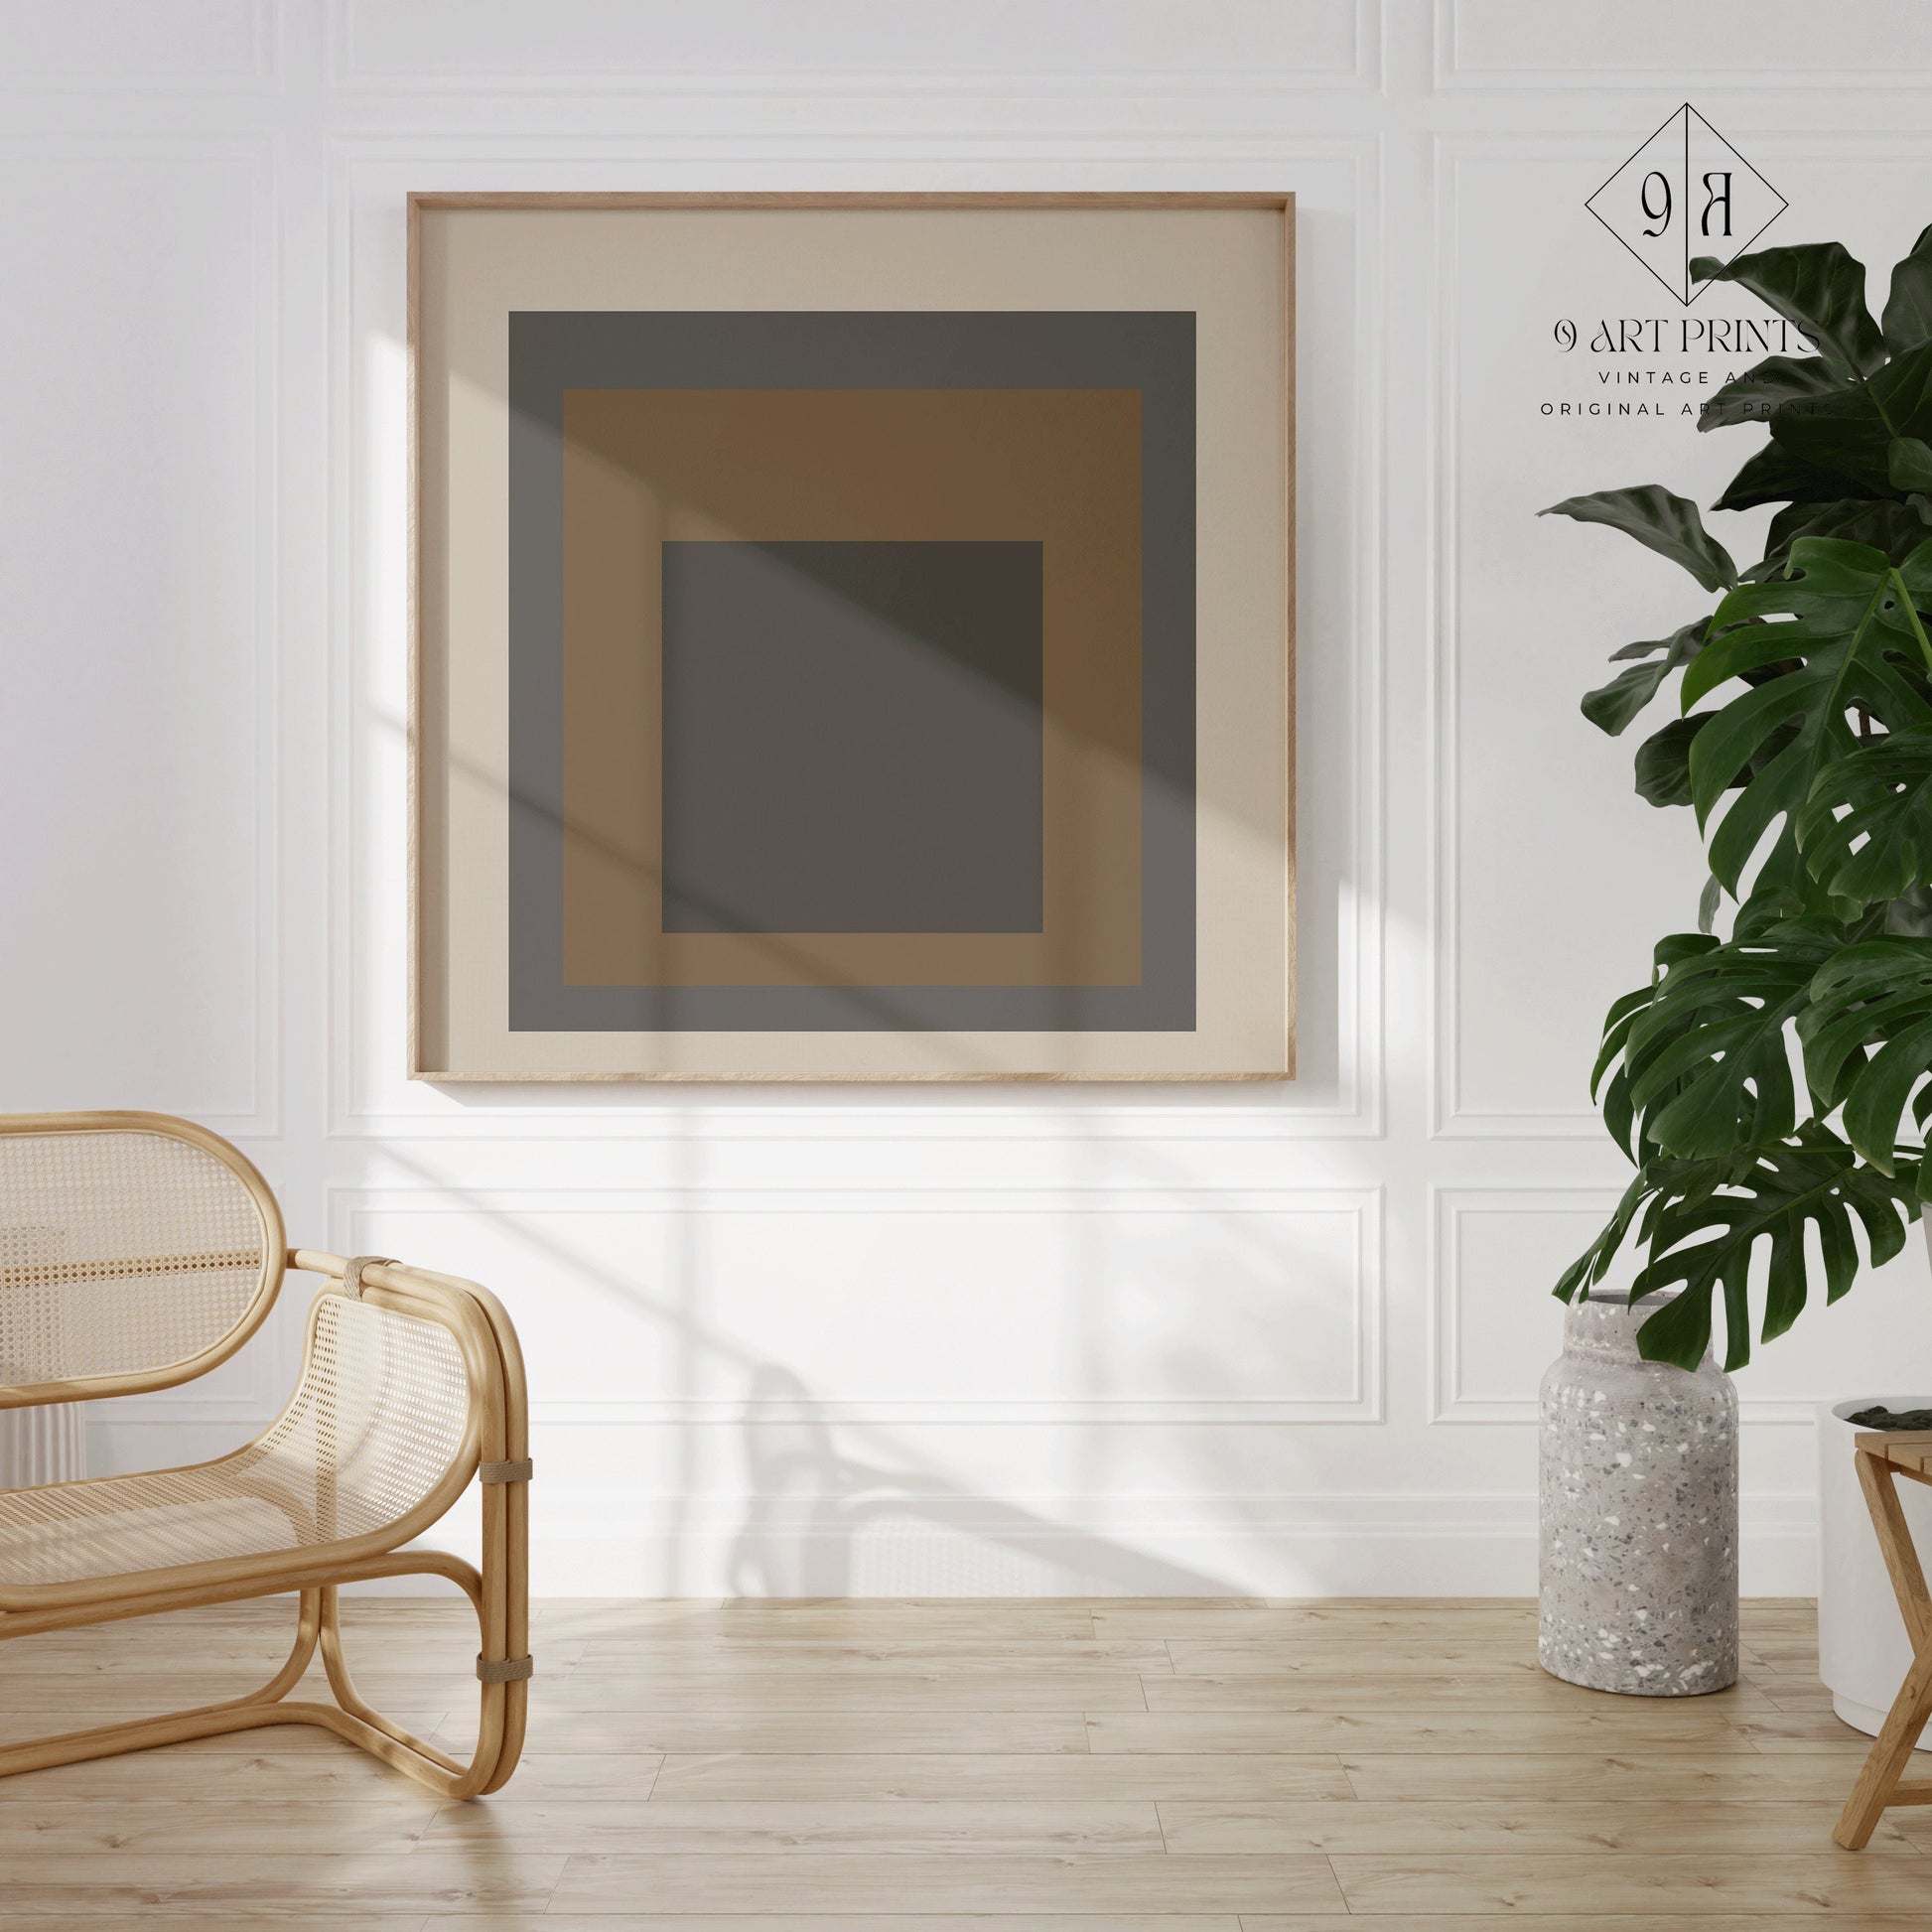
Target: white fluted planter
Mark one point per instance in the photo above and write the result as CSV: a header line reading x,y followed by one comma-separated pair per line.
x,y
45,1445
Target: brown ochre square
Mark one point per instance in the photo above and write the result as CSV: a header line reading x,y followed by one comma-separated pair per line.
x,y
750,471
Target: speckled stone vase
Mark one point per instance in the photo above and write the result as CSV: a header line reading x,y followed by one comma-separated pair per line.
x,y
1639,1513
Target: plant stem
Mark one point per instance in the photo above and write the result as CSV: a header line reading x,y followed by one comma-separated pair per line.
x,y
1918,630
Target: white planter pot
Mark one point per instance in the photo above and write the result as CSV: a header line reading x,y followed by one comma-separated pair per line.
x,y
1863,1649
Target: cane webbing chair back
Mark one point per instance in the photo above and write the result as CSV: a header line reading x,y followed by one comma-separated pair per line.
x,y
136,1252
378,1424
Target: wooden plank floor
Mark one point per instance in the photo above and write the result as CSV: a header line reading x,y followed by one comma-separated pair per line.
x,y
1115,1765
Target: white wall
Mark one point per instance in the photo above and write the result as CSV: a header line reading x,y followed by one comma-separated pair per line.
x,y
997,1340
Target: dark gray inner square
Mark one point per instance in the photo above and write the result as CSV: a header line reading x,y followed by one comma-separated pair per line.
x,y
852,737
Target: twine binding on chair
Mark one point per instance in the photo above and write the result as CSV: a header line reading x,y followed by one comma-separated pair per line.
x,y
505,1471
352,1272
505,1669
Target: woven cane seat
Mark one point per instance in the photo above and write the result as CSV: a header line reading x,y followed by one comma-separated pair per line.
x,y
378,1420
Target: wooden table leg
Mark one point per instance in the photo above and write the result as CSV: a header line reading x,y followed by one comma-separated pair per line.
x,y
1879,1481
1889,1757
1878,1780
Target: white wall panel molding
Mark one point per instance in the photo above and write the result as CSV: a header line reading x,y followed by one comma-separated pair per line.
x,y
880,1164
965,1121
1738,47
1088,1305
1457,1336
1342,348
134,923
1000,47
888,1543
1494,1326
1450,1118
159,47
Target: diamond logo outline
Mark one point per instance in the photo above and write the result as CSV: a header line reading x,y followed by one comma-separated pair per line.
x,y
1678,204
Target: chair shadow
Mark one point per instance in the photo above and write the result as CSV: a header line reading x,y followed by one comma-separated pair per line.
x,y
862,1526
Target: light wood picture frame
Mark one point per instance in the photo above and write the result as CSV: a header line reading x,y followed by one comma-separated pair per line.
x,y
851,637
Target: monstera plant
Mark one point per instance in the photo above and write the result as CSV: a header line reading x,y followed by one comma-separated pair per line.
x,y
1776,1078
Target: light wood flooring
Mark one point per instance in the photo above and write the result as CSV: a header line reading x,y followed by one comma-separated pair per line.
x,y
1120,1765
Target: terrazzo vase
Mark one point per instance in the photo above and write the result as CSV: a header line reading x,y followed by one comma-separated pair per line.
x,y
1639,1512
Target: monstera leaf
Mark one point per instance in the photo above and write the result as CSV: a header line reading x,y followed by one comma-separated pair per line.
x,y
1775,474
1819,286
1839,621
1866,833
1663,760
1702,1220
1700,1057
1909,307
1855,434
1895,528
1611,707
1663,522
1749,398
1908,463
1614,1095
1869,1039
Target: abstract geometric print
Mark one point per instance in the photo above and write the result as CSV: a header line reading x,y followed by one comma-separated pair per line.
x,y
852,670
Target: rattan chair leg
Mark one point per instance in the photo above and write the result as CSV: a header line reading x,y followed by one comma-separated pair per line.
x,y
79,1747
499,1738
353,1702
262,1707
392,1746
498,1741
119,1610
308,1632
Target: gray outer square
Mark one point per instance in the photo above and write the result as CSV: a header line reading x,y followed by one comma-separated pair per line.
x,y
1149,350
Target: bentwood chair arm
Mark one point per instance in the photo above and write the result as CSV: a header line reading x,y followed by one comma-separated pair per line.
x,y
503,1451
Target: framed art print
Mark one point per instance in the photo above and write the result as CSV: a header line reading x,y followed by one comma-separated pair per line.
x,y
853,636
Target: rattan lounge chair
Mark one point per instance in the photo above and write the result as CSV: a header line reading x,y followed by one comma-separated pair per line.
x,y
136,1252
